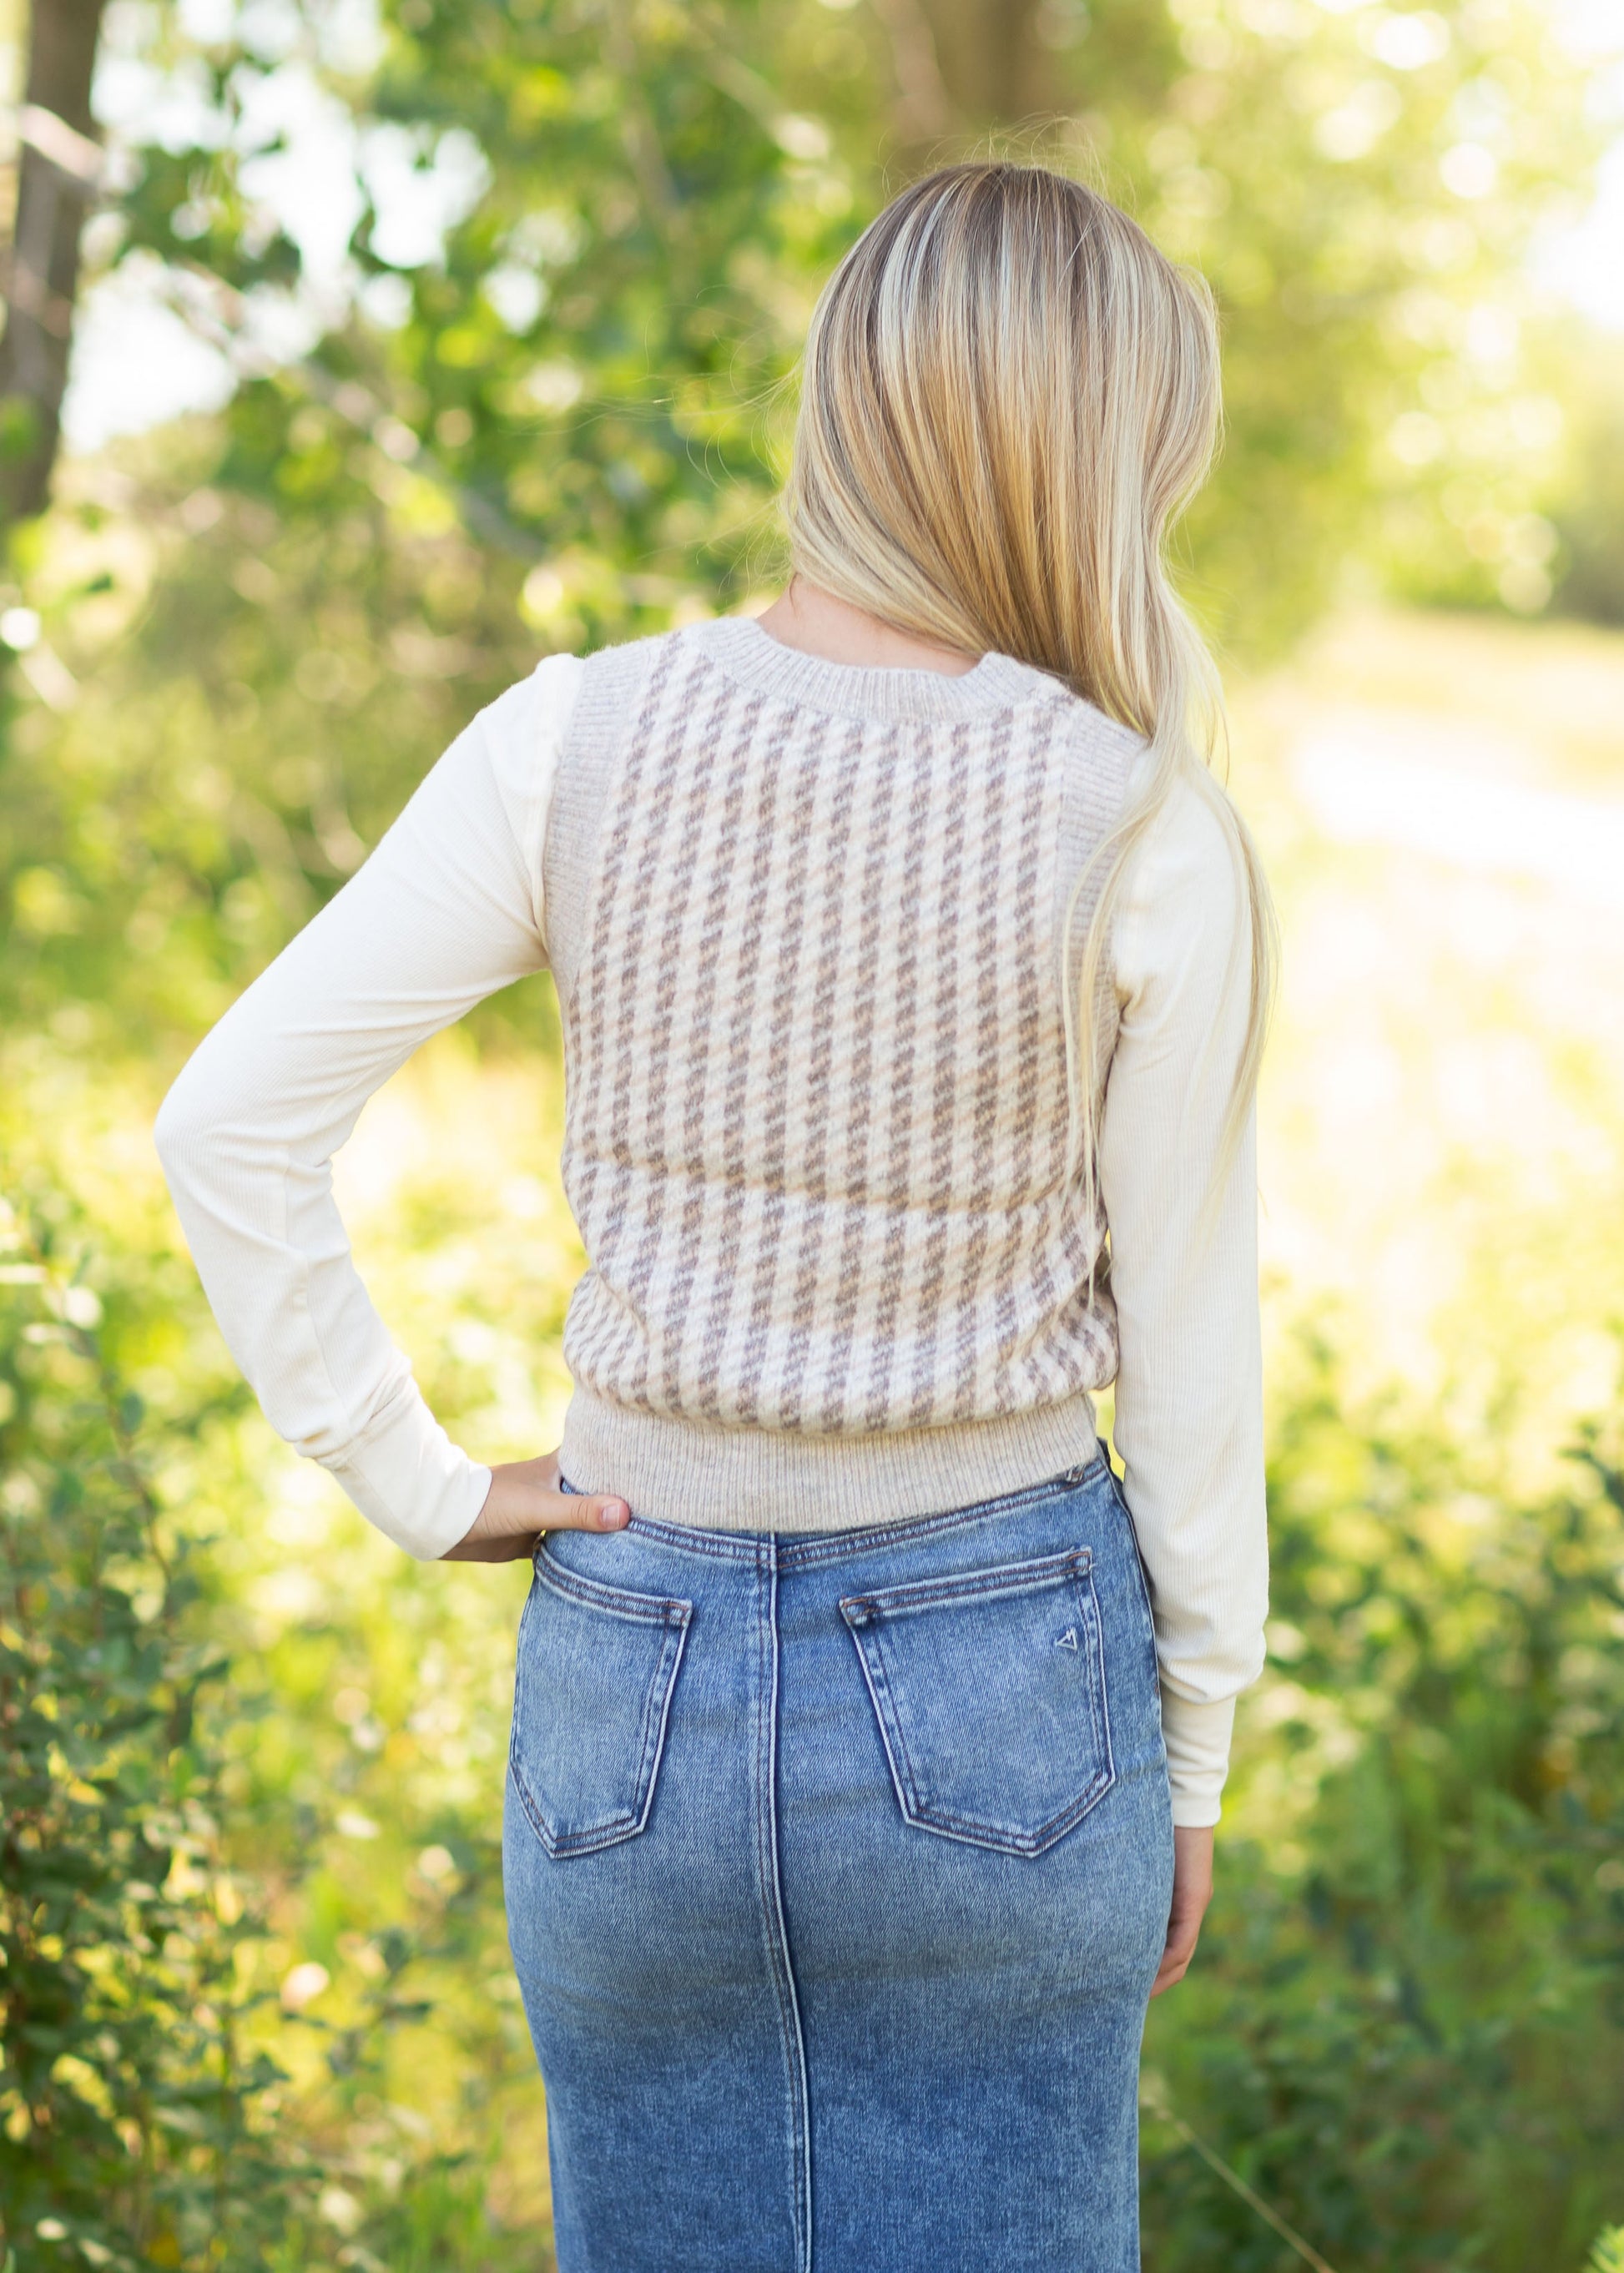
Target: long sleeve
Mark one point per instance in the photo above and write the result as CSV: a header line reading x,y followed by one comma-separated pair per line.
x,y
1188,1423
446,909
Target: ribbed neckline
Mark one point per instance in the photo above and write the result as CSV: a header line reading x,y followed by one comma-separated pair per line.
x,y
854,690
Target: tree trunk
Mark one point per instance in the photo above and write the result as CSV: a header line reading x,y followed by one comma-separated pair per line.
x,y
987,57
57,175
960,65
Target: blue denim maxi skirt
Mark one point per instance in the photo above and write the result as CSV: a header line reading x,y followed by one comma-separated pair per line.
x,y
838,1869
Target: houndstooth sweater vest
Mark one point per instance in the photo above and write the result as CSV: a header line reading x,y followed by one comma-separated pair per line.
x,y
805,924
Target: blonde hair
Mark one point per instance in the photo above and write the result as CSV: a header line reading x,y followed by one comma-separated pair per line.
x,y
1008,395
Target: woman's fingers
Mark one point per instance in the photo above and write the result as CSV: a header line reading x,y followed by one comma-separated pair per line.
x,y
581,1511
1192,1890
1176,1957
524,1500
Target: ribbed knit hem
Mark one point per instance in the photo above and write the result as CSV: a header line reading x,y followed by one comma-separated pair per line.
x,y
854,690
724,1479
1199,1736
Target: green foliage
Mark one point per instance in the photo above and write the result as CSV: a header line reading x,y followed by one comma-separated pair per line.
x,y
579,379
1358,185
566,423
262,631
1406,2028
165,2100
587,377
127,2095
1608,2254
250,701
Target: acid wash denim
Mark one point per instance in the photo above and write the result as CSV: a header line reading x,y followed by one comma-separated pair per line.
x,y
838,1870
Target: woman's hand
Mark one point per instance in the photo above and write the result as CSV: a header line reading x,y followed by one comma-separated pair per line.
x,y
523,1501
1192,1890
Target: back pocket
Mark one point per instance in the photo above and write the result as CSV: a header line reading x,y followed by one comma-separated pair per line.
x,y
596,1668
989,1690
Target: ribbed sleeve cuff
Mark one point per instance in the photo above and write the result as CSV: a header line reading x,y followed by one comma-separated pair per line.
x,y
1198,1739
419,1488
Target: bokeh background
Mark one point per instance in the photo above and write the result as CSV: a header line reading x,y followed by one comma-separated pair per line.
x,y
403,343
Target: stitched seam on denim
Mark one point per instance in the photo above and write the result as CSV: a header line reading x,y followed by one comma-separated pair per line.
x,y
805,1554
518,1703
643,1610
722,1547
1142,1586
1097,1691
515,1768
916,1802
995,1584
609,1833
895,1753
976,1830
1011,1835
973,1833
527,1799
655,1712
775,1932
624,1824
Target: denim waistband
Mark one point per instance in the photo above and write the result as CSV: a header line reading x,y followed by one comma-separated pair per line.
x,y
809,1547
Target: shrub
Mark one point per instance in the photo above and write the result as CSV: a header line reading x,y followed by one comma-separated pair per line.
x,y
128,2130
1406,2027
143,2121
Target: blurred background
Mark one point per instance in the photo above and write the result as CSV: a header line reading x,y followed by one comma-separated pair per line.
x,y
357,355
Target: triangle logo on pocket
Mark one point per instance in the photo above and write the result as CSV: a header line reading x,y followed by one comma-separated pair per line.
x,y
1068,1639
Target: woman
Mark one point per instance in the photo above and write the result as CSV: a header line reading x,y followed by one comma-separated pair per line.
x,y
869,1734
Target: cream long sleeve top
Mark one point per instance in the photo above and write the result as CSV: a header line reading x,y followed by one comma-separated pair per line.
x,y
452,906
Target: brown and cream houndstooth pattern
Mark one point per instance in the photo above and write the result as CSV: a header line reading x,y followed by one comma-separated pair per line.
x,y
817,1142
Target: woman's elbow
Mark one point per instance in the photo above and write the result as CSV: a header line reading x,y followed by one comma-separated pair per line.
x,y
186,1120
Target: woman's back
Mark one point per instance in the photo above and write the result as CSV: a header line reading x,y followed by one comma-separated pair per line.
x,y
820,1140
805,922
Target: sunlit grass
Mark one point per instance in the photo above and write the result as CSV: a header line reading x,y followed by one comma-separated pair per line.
x,y
1444,1100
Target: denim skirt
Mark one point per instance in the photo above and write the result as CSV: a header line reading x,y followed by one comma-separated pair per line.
x,y
838,1869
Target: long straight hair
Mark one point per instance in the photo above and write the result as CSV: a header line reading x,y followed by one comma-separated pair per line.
x,y
1008,395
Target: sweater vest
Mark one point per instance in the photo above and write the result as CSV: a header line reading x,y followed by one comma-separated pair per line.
x,y
805,924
